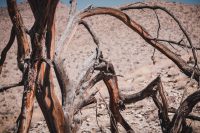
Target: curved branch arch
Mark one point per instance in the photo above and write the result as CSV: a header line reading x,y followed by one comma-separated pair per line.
x,y
182,64
172,16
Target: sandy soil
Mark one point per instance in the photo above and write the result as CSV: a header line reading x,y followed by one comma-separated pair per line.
x,y
130,55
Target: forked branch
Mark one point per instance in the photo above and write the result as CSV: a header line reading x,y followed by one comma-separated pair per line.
x,y
174,18
183,111
182,64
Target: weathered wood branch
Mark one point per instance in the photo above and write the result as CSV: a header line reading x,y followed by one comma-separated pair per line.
x,y
63,79
22,53
173,17
6,87
20,30
27,100
89,99
155,90
148,91
89,84
179,43
38,74
182,64
81,98
190,116
183,111
92,33
49,103
7,48
73,6
162,105
115,102
46,97
68,32
61,74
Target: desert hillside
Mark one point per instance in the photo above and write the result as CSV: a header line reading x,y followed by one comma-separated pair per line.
x,y
130,55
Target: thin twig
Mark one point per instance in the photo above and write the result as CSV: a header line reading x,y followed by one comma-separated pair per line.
x,y
190,116
159,26
158,31
182,64
176,43
153,56
92,33
6,87
174,18
6,49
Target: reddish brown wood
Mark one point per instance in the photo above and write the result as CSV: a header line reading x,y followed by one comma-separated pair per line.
x,y
28,100
23,52
183,66
23,46
46,97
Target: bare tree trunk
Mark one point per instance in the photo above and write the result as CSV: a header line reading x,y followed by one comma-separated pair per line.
x,y
23,52
46,97
23,46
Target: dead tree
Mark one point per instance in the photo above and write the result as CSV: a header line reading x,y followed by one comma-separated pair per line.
x,y
38,60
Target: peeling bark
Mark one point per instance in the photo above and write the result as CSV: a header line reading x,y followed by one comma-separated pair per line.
x,y
23,46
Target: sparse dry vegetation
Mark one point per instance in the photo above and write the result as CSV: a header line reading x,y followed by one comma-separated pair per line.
x,y
42,65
